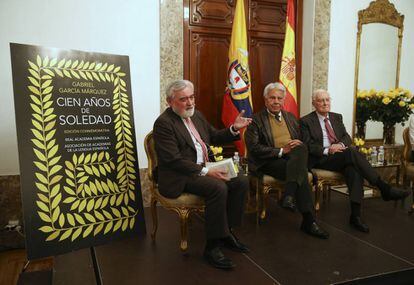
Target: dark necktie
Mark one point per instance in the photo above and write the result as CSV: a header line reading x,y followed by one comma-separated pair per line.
x,y
331,134
197,136
278,117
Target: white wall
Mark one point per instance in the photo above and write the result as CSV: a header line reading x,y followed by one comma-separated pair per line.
x,y
125,27
343,31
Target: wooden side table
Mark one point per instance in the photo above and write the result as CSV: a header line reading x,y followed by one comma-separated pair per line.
x,y
391,172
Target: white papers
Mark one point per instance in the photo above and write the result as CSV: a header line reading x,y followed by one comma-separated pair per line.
x,y
226,165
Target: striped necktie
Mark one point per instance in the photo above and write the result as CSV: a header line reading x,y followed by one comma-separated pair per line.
x,y
197,136
331,134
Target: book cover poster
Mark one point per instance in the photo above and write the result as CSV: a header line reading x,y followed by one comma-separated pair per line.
x,y
77,152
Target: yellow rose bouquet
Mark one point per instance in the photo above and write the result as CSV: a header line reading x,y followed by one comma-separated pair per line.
x,y
358,142
389,107
393,107
217,150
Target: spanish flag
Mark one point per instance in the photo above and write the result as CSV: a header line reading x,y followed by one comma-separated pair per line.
x,y
237,96
288,67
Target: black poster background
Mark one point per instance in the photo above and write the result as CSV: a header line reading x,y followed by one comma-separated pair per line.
x,y
78,159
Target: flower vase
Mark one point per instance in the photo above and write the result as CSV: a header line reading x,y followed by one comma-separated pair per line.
x,y
389,134
361,127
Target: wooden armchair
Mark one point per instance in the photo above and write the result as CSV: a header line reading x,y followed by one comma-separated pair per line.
x,y
407,165
320,180
183,205
264,184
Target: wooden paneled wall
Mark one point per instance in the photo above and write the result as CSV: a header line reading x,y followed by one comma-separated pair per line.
x,y
207,32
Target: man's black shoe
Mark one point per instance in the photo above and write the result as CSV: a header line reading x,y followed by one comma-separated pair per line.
x,y
232,242
216,258
357,223
394,194
315,230
288,202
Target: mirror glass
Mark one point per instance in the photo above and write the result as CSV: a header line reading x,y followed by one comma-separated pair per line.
x,y
377,65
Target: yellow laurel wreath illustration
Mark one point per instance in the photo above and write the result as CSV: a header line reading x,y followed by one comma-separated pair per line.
x,y
96,205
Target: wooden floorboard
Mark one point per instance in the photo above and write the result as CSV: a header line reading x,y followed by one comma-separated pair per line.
x,y
140,260
391,227
74,268
13,261
292,257
280,252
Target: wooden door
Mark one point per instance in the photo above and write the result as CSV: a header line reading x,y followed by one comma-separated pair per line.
x,y
207,32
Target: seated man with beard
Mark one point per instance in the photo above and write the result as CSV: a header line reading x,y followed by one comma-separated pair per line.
x,y
182,136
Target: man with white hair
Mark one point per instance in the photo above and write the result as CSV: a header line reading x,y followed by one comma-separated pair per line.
x,y
182,136
274,148
330,148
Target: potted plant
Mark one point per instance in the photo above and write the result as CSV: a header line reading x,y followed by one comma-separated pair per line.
x,y
363,110
390,108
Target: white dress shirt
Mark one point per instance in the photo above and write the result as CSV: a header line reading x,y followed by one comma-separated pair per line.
x,y
199,150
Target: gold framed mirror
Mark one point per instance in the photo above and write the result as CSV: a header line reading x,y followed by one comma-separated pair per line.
x,y
377,62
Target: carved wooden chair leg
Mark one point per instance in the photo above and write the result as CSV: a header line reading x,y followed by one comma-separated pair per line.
x,y
184,213
410,185
265,196
279,194
324,193
154,218
319,189
314,188
251,203
329,193
259,200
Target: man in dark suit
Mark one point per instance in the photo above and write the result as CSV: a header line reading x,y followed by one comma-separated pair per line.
x,y
330,148
182,136
274,148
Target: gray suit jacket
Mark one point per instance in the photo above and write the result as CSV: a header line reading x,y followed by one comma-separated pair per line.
x,y
176,152
313,137
259,140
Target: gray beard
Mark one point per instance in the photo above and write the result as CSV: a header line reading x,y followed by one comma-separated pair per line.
x,y
186,114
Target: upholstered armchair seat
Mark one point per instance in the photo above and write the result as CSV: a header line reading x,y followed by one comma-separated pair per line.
x,y
267,179
184,200
324,180
327,174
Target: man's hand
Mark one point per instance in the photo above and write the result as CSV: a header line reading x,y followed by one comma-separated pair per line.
x,y
240,122
291,145
336,147
218,173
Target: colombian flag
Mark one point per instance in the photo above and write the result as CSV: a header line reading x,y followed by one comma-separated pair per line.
x,y
288,67
237,96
